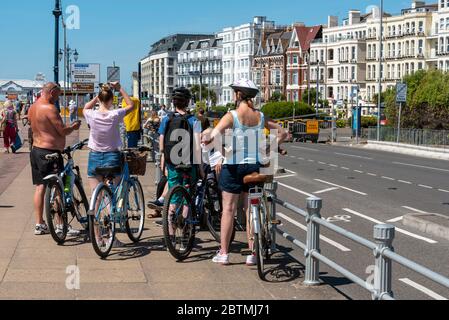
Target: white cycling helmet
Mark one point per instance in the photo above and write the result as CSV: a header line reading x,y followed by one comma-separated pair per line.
x,y
247,87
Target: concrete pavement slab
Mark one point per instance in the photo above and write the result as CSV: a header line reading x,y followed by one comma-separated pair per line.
x,y
115,291
35,291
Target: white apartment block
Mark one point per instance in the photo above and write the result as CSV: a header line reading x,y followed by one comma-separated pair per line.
x,y
239,45
406,46
200,61
338,60
439,38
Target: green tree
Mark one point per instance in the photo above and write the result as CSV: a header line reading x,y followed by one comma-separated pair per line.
x,y
284,109
205,92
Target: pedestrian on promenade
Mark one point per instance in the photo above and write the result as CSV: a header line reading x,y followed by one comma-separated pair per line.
x,y
205,123
162,112
73,109
105,141
9,125
19,107
132,123
49,137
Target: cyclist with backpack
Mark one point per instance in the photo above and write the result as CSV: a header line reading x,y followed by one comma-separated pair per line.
x,y
180,135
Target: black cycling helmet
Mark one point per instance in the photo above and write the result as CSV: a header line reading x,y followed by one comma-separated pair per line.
x,y
246,87
182,93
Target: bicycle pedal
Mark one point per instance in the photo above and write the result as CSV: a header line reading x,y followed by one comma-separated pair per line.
x,y
276,222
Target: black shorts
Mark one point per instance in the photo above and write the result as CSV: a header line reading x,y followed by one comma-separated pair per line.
x,y
231,177
41,167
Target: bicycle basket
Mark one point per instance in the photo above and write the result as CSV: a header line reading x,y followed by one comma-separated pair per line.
x,y
137,163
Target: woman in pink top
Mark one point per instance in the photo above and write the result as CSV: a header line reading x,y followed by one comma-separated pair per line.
x,y
105,141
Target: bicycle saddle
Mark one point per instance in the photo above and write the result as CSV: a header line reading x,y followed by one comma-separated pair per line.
x,y
108,171
257,178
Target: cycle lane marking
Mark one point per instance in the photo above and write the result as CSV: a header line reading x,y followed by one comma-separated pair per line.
x,y
405,232
423,289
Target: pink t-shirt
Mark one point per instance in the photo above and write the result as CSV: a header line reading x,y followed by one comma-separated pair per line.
x,y
105,129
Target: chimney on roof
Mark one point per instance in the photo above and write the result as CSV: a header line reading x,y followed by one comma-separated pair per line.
x,y
354,17
332,21
417,4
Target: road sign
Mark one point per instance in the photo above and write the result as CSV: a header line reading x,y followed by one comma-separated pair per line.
x,y
86,73
83,87
313,127
113,74
401,93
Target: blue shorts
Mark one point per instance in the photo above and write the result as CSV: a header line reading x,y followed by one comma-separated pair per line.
x,y
102,160
231,177
133,139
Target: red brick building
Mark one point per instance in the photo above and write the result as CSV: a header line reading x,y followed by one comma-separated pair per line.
x,y
296,60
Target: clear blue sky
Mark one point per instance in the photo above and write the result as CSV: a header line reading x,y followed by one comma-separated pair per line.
x,y
122,31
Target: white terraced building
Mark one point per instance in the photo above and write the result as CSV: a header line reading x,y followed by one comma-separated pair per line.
x,y
407,47
239,46
339,60
439,37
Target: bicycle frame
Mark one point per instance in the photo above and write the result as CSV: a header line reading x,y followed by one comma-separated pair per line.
x,y
119,195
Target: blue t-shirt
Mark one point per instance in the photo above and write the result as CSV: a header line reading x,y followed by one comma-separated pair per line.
x,y
193,121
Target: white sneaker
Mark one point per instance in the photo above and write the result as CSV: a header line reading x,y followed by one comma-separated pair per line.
x,y
41,229
251,260
73,232
221,259
59,230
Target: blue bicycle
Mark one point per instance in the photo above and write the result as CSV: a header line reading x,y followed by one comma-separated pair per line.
x,y
65,195
122,204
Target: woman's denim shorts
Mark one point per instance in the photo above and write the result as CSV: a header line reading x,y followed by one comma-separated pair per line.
x,y
102,160
231,177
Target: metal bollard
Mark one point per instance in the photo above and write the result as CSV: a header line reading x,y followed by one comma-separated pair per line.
x,y
383,235
159,172
312,277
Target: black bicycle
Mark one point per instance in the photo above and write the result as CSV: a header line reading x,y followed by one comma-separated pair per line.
x,y
188,207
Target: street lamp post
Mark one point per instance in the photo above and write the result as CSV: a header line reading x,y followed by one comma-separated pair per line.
x,y
317,87
57,13
379,98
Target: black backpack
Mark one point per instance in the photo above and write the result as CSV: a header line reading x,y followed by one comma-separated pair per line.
x,y
182,142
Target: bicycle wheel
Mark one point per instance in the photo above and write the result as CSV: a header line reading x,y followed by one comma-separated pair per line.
x,y
135,221
101,223
81,204
214,212
260,244
55,212
178,223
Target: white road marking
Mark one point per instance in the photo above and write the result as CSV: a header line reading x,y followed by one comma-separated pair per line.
x,y
388,178
358,171
341,187
406,182
442,190
289,171
417,166
304,148
299,158
287,176
352,155
344,168
326,190
397,229
321,162
413,209
333,165
310,160
372,174
423,289
424,186
396,219
296,190
303,227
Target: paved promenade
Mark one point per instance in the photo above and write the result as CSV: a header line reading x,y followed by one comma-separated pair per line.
x,y
36,268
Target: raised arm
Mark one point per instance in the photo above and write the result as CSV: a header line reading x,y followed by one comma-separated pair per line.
x,y
91,104
55,119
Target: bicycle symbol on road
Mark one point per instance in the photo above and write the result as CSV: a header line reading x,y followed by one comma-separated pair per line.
x,y
339,218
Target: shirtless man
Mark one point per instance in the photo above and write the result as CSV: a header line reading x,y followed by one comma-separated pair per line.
x,y
49,135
